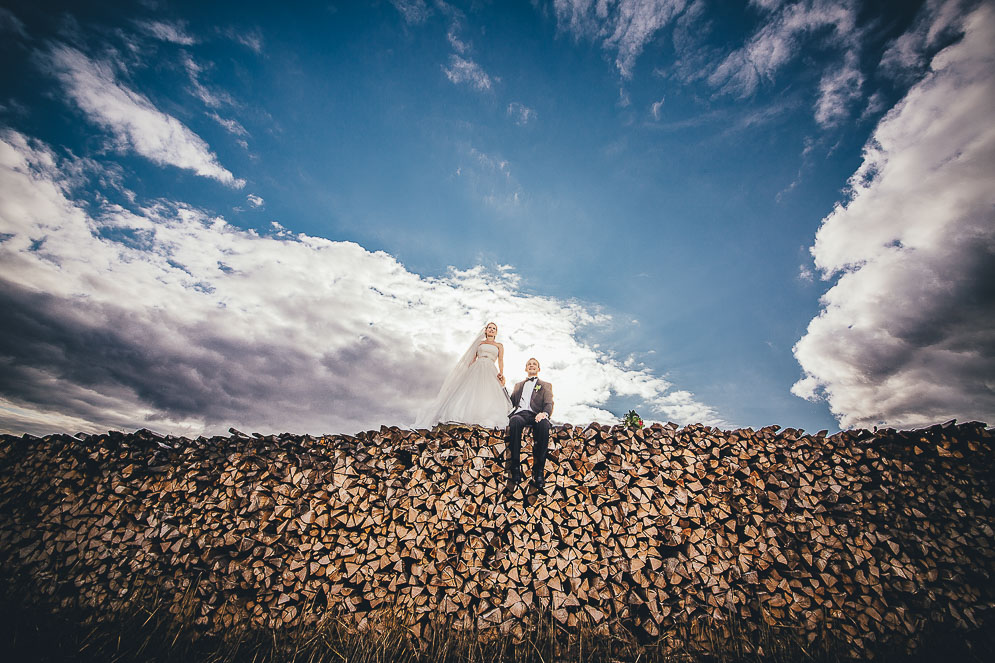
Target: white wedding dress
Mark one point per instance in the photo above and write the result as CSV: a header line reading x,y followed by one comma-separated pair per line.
x,y
471,394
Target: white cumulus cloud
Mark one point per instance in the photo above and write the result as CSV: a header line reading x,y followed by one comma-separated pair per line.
x,y
252,39
906,335
521,113
624,26
233,127
781,39
210,97
937,20
789,30
413,11
655,108
166,316
131,118
173,32
10,23
464,70
838,91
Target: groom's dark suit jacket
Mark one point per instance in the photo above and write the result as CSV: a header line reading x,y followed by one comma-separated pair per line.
x,y
542,397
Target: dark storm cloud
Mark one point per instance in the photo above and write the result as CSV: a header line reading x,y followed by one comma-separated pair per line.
x,y
216,379
906,336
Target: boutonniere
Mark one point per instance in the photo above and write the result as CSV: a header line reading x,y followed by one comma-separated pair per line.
x,y
537,387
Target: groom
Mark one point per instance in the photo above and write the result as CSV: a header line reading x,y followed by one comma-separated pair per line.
x,y
532,399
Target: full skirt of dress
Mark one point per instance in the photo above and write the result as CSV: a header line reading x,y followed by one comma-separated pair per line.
x,y
476,397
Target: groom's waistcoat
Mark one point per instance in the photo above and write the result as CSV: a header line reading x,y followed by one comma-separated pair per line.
x,y
542,397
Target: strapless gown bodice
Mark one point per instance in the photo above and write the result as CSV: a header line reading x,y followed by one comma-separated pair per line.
x,y
487,351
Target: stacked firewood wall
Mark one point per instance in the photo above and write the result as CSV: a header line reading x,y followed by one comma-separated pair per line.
x,y
868,534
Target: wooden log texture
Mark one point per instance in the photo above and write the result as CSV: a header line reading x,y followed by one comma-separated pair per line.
x,y
868,534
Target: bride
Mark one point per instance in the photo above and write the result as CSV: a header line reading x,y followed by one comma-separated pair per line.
x,y
473,393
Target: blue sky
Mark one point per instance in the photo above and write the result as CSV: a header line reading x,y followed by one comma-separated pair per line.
x,y
296,218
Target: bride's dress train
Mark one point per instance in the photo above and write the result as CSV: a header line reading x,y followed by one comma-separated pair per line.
x,y
471,394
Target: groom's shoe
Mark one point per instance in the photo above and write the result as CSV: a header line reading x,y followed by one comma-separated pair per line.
x,y
539,485
515,477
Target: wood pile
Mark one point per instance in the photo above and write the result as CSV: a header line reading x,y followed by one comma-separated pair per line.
x,y
868,534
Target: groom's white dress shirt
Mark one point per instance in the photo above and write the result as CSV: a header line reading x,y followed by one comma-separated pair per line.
x,y
525,402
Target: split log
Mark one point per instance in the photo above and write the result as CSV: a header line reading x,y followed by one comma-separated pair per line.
x,y
874,532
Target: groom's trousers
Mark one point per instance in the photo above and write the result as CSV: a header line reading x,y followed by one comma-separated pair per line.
x,y
540,443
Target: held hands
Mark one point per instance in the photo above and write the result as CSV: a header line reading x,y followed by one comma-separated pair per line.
x,y
501,378
541,416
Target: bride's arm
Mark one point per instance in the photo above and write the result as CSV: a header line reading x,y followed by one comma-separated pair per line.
x,y
500,347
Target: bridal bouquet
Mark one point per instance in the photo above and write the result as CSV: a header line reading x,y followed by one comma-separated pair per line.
x,y
632,420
